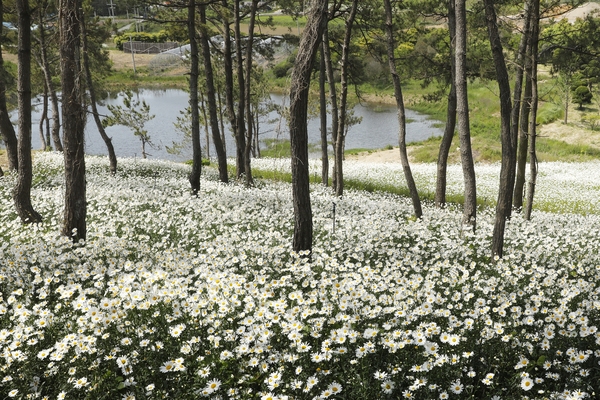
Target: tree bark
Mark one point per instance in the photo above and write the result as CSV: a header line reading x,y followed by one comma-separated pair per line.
x,y
211,99
221,112
248,95
112,158
517,106
45,67
535,31
311,38
391,46
323,117
73,116
508,165
333,100
523,136
445,145
22,191
228,70
6,127
55,119
240,132
43,119
343,105
194,176
462,111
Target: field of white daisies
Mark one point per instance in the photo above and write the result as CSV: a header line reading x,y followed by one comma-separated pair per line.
x,y
179,297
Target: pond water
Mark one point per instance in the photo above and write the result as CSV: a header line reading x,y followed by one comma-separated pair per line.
x,y
378,129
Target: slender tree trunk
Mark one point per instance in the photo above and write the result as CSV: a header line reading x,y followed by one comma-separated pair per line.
x,y
43,118
112,157
22,191
521,65
535,31
248,95
323,116
391,46
566,95
46,70
42,43
334,104
55,120
194,177
508,165
311,38
256,149
212,103
221,111
240,133
442,162
47,121
341,133
7,131
523,136
462,111
73,116
205,118
228,70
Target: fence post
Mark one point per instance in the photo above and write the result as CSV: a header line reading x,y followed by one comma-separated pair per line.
x,y
132,53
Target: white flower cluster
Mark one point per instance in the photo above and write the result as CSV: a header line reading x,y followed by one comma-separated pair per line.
x,y
174,296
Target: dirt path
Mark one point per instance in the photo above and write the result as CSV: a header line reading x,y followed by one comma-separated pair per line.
x,y
581,12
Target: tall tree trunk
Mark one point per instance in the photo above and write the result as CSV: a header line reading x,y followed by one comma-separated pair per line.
x,y
112,157
333,101
240,133
43,119
391,46
221,114
248,95
194,176
228,70
521,65
73,116
341,132
323,117
6,127
22,191
55,119
46,70
523,136
45,145
508,165
205,119
311,38
256,148
442,161
535,31
462,111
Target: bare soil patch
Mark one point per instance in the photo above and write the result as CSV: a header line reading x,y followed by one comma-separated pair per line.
x,y
122,60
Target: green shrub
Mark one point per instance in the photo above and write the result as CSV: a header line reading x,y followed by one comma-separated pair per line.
x,y
145,37
549,112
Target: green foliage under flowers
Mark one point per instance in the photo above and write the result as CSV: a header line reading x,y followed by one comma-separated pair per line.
x,y
177,296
